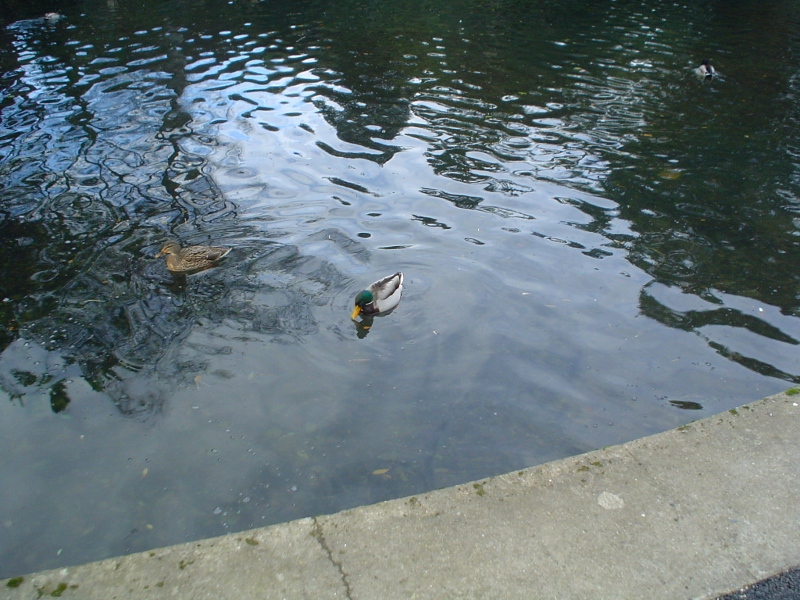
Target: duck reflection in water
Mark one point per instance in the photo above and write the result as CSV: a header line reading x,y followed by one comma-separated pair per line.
x,y
364,323
363,326
178,284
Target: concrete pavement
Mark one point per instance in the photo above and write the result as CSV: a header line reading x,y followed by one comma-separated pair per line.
x,y
694,512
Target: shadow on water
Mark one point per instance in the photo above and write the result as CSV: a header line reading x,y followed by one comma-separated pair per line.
x,y
566,200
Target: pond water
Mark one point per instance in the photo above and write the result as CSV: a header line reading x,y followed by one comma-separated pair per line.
x,y
597,245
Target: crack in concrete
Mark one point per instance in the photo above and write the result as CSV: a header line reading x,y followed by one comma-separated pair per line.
x,y
320,537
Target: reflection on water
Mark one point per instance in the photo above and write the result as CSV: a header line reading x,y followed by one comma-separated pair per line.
x,y
596,244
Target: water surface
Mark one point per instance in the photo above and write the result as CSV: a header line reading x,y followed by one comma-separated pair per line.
x,y
596,245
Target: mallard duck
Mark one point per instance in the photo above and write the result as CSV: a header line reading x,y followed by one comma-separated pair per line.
x,y
192,258
705,70
380,297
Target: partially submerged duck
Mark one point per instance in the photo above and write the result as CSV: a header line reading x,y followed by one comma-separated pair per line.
x,y
192,258
380,297
705,70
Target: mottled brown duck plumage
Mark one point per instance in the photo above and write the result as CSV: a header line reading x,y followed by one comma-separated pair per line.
x,y
191,258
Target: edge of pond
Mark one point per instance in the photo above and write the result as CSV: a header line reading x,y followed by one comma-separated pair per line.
x,y
694,512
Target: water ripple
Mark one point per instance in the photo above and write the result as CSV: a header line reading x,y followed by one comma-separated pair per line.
x,y
589,236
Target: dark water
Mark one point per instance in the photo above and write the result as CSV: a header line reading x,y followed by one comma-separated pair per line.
x,y
596,244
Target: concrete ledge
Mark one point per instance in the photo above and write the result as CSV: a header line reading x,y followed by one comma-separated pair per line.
x,y
690,513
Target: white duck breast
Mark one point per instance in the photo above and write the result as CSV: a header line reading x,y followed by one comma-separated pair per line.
x,y
705,70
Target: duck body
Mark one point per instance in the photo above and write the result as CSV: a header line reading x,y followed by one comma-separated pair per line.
x,y
380,297
191,258
705,70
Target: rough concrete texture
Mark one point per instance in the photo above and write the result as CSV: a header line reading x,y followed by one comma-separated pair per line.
x,y
691,513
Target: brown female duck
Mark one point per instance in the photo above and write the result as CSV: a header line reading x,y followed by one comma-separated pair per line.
x,y
191,258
